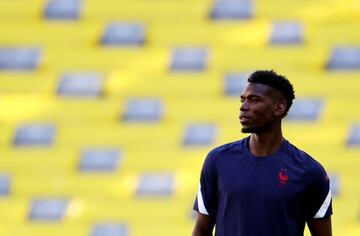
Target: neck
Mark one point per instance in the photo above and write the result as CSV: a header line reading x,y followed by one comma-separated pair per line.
x,y
267,143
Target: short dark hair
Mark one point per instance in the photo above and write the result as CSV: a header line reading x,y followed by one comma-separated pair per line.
x,y
279,82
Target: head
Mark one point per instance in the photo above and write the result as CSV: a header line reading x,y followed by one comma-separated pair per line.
x,y
265,101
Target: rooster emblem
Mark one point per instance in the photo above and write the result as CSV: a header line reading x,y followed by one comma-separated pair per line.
x,y
283,177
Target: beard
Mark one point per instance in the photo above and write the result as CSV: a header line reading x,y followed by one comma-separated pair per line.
x,y
256,129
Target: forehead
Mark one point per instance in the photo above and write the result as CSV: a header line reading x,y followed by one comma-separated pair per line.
x,y
257,89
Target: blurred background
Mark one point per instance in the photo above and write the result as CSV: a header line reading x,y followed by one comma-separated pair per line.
x,y
108,108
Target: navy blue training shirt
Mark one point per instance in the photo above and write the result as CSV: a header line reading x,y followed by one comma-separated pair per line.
x,y
262,196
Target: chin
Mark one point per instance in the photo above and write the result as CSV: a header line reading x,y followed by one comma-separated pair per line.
x,y
256,130
247,130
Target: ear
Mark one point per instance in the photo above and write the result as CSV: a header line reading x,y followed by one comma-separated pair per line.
x,y
280,108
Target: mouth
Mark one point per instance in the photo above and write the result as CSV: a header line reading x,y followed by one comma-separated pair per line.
x,y
244,119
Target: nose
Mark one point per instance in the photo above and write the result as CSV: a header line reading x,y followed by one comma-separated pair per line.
x,y
244,106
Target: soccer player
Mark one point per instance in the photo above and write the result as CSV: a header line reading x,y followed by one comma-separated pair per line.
x,y
263,185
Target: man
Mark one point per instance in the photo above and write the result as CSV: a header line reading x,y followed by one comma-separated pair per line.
x,y
263,185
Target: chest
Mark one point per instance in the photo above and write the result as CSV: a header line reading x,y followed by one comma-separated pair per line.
x,y
263,181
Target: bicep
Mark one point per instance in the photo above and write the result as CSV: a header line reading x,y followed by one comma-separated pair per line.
x,y
320,227
204,225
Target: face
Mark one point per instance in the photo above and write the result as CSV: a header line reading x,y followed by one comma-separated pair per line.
x,y
262,106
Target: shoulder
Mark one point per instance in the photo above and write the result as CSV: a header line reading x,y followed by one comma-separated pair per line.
x,y
224,149
218,154
312,167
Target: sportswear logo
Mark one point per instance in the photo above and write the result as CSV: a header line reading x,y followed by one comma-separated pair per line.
x,y
283,178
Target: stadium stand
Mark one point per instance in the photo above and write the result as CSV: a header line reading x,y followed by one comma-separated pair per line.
x,y
334,185
143,110
110,228
305,110
189,59
155,185
80,85
344,58
99,160
19,58
286,33
164,79
35,135
123,34
48,209
234,84
354,136
232,9
199,134
62,9
5,184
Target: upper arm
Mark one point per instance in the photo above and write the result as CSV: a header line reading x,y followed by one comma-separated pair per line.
x,y
319,204
204,225
207,197
320,227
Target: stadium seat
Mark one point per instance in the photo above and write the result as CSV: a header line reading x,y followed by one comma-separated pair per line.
x,y
235,84
123,34
285,33
344,58
232,9
305,109
63,9
354,136
155,185
48,209
334,185
110,229
189,59
35,134
19,58
5,184
80,85
143,110
99,160
199,134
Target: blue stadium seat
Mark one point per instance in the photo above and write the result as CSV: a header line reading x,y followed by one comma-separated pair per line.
x,y
305,110
155,185
344,58
5,182
35,134
232,9
80,85
63,9
48,209
99,160
193,214
235,83
354,137
19,58
286,33
199,134
143,110
189,59
110,229
124,34
334,184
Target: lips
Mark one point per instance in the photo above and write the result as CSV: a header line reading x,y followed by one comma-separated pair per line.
x,y
244,119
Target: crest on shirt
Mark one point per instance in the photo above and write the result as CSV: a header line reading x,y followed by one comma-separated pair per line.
x,y
283,177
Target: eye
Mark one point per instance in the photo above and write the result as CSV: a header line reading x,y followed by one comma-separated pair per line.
x,y
254,99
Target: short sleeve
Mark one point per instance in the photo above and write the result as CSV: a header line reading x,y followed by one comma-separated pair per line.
x,y
318,196
207,197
